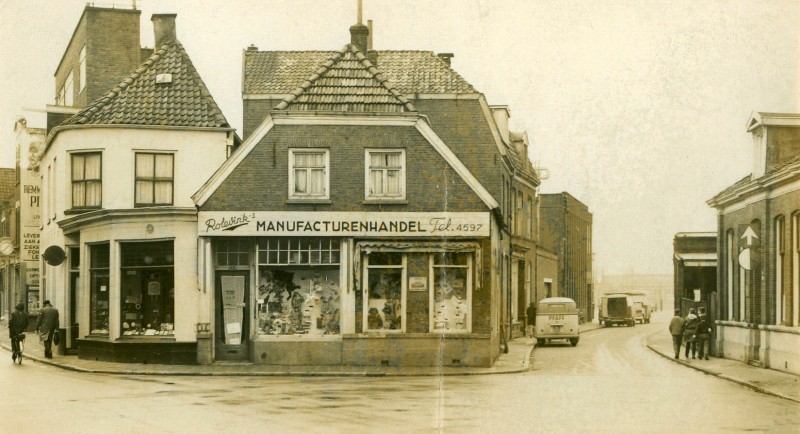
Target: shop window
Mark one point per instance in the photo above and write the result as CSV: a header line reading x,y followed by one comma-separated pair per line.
x,y
383,300
233,252
98,289
87,180
452,292
154,179
385,174
298,286
147,289
308,174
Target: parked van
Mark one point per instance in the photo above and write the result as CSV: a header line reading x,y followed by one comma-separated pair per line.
x,y
617,309
557,318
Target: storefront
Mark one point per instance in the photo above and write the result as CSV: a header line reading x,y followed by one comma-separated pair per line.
x,y
352,288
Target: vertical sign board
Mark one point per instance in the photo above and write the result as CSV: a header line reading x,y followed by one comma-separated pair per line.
x,y
31,221
749,246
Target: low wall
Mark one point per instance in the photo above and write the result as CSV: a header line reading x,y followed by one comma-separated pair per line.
x,y
774,347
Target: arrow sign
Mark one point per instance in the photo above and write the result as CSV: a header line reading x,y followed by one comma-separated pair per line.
x,y
748,235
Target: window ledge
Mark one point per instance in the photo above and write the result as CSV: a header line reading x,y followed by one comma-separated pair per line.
x,y
385,202
76,211
308,201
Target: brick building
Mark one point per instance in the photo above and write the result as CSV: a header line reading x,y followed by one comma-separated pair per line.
x,y
365,219
695,270
758,242
566,230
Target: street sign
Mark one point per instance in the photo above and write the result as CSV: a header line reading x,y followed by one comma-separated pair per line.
x,y
749,235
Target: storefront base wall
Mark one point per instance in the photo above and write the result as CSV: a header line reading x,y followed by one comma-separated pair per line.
x,y
406,350
776,347
165,353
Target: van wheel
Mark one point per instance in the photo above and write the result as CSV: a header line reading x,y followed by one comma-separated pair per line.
x,y
539,342
573,341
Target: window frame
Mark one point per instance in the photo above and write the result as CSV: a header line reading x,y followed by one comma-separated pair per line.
x,y
69,89
293,195
153,180
82,69
780,249
85,181
403,293
99,273
368,195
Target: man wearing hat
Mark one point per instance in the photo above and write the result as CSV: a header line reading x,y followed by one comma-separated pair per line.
x,y
46,326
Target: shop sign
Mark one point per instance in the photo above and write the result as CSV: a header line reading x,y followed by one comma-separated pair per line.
x,y
32,273
417,284
337,223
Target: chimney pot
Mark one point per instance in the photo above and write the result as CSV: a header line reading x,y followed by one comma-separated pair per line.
x,y
164,28
252,47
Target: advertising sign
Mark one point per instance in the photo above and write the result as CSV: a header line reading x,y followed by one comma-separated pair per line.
x,y
31,221
338,223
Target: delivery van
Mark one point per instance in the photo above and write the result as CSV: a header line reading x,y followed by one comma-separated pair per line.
x,y
556,318
617,309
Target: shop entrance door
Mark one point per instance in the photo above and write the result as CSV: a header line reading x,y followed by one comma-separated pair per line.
x,y
232,325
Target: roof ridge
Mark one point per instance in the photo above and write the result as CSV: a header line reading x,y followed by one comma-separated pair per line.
x,y
333,60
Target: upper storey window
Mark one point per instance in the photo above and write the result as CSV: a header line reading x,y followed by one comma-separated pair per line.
x,y
82,70
308,174
386,174
87,180
154,179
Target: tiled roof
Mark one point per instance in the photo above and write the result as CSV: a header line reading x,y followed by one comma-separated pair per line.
x,y
346,82
281,72
8,181
139,100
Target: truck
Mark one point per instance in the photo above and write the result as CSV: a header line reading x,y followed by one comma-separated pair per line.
x,y
617,309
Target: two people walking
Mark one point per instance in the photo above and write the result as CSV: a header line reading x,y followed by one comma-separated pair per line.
x,y
693,331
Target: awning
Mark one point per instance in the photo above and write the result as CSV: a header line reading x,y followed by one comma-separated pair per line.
x,y
697,259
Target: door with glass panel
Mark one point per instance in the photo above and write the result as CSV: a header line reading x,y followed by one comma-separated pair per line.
x,y
231,315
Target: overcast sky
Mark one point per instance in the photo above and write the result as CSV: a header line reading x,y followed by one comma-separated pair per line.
x,y
637,108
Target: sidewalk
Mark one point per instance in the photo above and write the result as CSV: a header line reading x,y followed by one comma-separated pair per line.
x,y
769,381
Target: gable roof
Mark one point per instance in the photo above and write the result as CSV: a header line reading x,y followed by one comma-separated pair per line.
x,y
346,82
409,72
139,100
790,169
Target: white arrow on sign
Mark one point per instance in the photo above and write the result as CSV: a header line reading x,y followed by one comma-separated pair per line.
x,y
749,234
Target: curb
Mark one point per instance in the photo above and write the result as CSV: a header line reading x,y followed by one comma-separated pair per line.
x,y
526,366
724,377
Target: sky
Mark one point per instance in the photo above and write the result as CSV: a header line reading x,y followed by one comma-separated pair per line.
x,y
636,108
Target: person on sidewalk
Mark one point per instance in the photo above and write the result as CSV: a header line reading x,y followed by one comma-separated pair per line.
x,y
676,325
16,327
703,336
46,326
530,315
689,331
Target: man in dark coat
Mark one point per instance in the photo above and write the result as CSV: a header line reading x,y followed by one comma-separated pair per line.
x,y
46,326
703,335
16,326
530,314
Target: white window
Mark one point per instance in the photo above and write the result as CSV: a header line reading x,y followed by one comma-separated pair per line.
x,y
87,180
308,173
386,174
60,96
82,69
154,179
451,297
731,266
795,312
68,89
780,304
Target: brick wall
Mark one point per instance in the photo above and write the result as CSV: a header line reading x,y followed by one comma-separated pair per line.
x,y
260,182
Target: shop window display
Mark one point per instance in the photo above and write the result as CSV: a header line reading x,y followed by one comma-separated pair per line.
x,y
383,298
451,292
98,289
147,289
298,287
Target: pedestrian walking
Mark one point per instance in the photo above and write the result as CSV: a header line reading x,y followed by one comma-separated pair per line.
x,y
689,331
676,326
16,327
703,336
46,326
530,314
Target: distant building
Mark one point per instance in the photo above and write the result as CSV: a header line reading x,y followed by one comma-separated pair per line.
x,y
566,230
758,241
695,269
658,287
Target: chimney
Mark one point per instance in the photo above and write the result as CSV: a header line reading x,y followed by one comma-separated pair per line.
x,y
500,113
359,33
446,57
164,28
372,55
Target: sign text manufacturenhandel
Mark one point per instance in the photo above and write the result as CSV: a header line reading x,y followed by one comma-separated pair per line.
x,y
337,223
